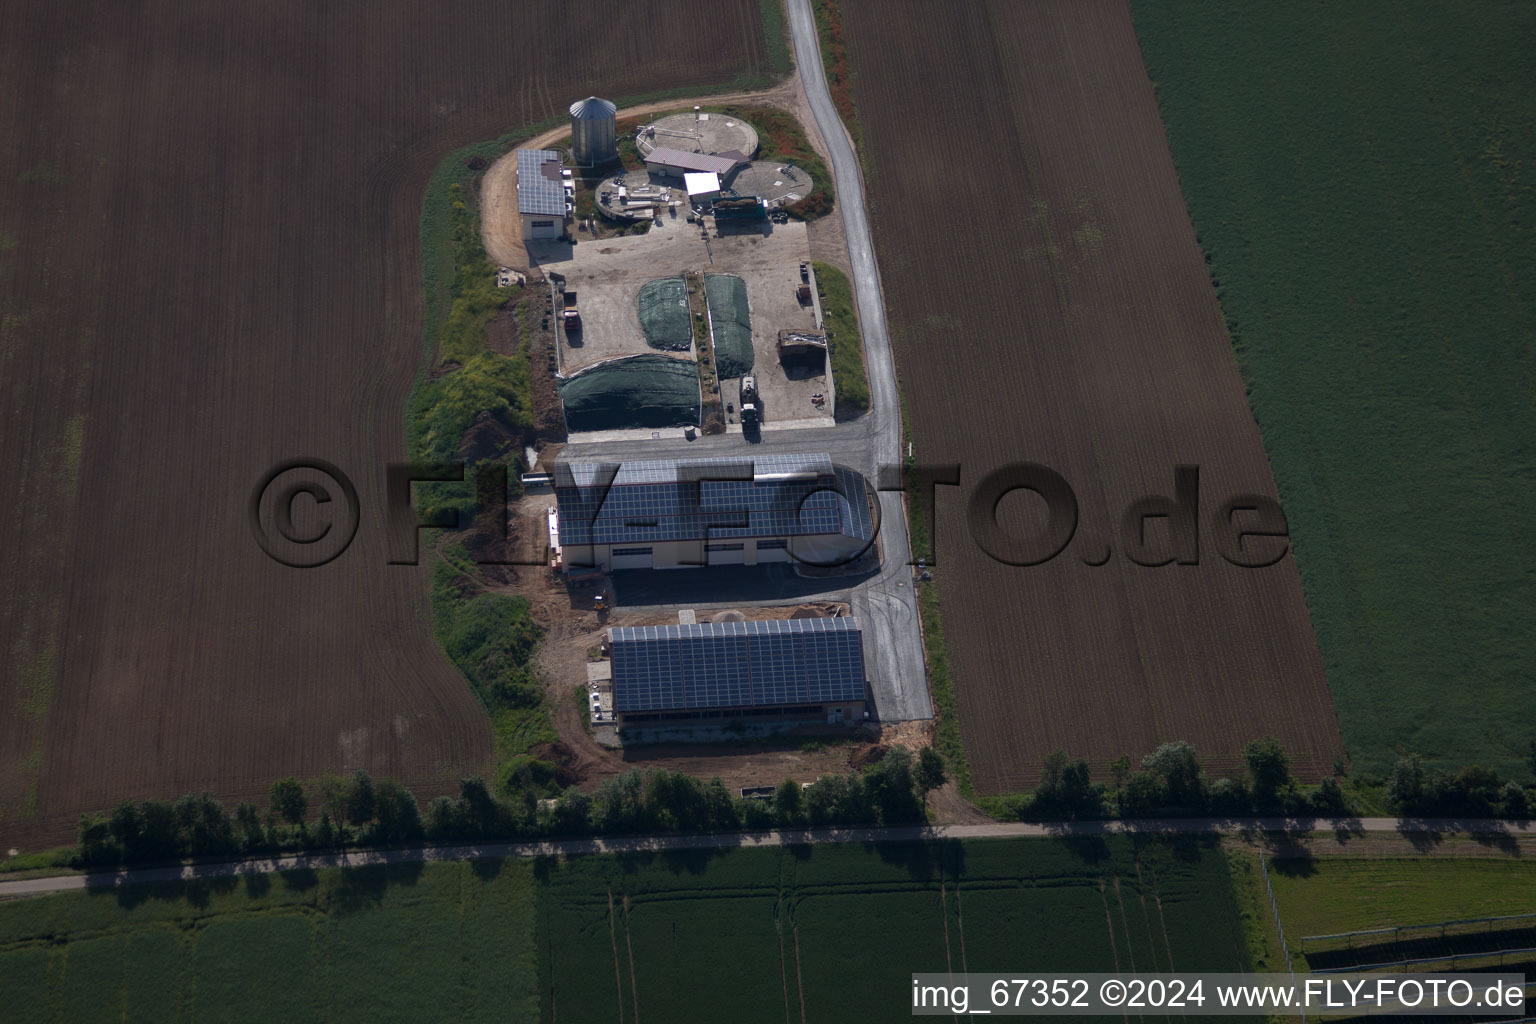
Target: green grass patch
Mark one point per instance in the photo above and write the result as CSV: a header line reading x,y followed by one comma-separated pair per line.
x,y
845,348
43,861
1255,914
434,942
1365,202
775,37
1328,895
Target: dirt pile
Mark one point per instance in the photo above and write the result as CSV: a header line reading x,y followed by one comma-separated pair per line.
x,y
866,755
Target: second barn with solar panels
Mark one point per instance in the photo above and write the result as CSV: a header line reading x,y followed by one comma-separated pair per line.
x,y
773,671
675,514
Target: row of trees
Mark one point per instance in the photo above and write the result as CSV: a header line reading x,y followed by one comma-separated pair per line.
x,y
356,810
1475,791
1171,779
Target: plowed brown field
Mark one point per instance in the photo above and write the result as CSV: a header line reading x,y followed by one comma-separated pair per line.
x,y
1049,302
209,263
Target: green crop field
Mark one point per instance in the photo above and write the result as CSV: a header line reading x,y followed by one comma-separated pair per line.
x,y
839,929
412,943
751,934
1361,178
1337,894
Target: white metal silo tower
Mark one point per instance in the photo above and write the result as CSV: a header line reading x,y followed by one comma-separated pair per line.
x,y
592,133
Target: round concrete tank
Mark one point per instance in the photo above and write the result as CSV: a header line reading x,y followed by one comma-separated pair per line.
x,y
592,133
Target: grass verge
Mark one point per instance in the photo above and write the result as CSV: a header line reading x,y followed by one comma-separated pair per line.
x,y
845,348
1328,895
775,37
946,726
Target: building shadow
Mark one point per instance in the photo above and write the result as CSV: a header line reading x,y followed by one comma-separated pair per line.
x,y
722,584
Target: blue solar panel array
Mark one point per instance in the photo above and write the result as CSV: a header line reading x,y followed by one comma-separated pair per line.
x,y
737,664
709,499
537,194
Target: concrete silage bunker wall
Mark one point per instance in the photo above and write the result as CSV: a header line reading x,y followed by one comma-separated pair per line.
x,y
631,393
664,314
730,320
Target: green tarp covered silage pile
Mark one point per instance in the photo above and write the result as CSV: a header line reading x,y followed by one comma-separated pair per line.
x,y
731,321
625,394
664,314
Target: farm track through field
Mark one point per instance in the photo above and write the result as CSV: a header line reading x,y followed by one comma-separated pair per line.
x,y
1162,921
1049,303
1109,924
209,263
618,977
629,948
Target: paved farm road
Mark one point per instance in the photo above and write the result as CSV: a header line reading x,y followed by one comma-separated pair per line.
x,y
1426,828
887,605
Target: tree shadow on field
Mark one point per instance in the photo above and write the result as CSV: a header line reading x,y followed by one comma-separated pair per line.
x,y
630,862
1299,864
544,867
924,859
299,879
257,885
197,893
1420,834
800,851
1088,849
1188,847
1347,829
363,888
1502,841
487,869
693,862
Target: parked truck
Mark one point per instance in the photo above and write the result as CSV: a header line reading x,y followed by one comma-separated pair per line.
x,y
751,411
570,317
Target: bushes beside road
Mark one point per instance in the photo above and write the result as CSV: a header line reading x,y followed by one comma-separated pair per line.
x,y
834,60
476,297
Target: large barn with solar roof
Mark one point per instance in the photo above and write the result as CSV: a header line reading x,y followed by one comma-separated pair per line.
x,y
674,514
779,670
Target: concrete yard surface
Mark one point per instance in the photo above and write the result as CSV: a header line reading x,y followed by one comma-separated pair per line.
x,y
607,275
